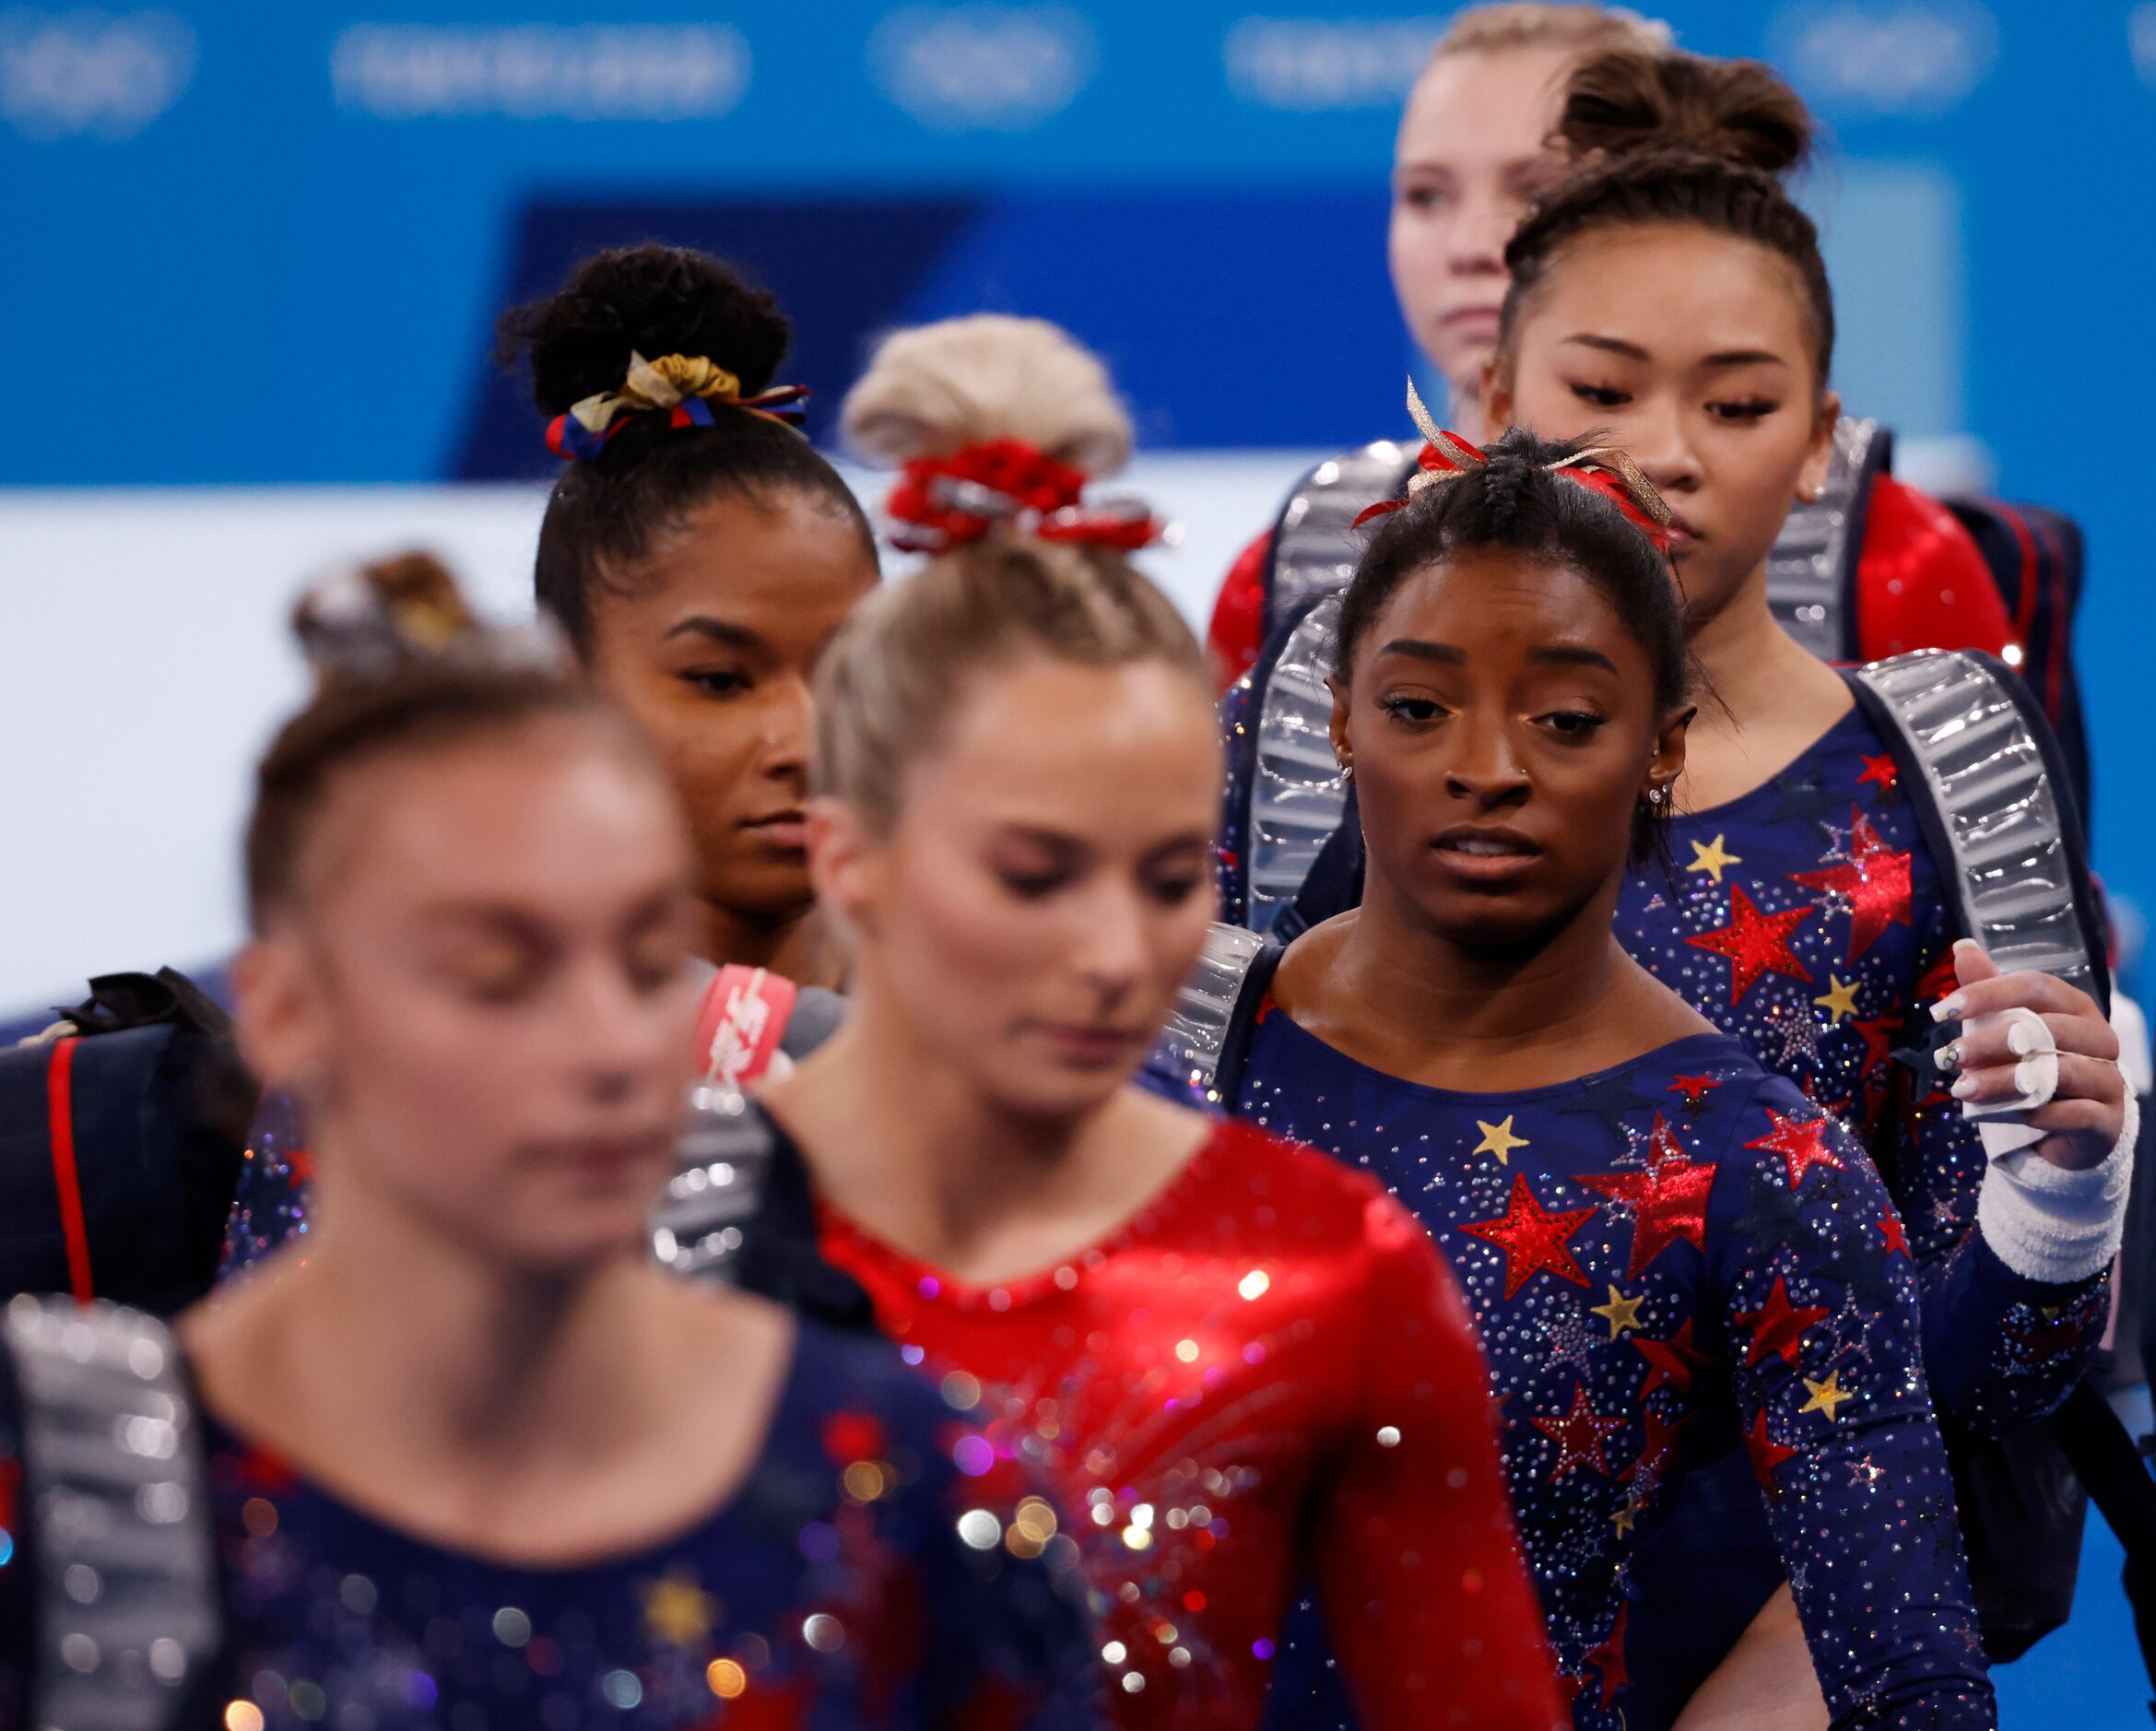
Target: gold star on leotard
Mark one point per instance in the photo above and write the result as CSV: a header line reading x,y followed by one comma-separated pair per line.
x,y
1839,999
1499,1140
1621,1312
678,1611
1710,857
1627,1515
1826,1396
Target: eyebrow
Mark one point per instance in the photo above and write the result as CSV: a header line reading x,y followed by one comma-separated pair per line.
x,y
717,631
493,916
506,919
1633,351
1418,649
1451,655
1572,655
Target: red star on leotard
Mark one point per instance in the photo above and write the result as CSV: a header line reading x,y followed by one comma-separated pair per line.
x,y
1669,1202
1879,1042
1578,1436
1656,1450
1609,1657
1755,943
1672,1361
1873,880
1880,770
1692,1086
1802,1142
1766,1455
1890,1225
1533,1239
1778,1325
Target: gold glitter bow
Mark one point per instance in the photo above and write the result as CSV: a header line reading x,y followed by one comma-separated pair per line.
x,y
661,384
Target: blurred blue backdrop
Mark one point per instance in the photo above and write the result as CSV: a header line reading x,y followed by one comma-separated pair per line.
x,y
252,243
249,243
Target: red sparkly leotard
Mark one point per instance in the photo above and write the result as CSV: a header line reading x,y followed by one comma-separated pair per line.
x,y
1265,1375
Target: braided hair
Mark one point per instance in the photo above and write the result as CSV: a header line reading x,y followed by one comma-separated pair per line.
x,y
1682,139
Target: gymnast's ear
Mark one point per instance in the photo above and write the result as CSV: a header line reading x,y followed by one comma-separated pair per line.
x,y
845,867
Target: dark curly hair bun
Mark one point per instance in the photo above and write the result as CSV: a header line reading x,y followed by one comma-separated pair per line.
x,y
651,300
1736,111
607,513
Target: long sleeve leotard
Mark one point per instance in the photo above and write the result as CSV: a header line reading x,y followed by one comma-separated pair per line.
x,y
1808,919
1266,1375
1681,1246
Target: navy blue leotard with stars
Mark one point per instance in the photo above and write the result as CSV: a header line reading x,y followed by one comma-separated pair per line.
x,y
1809,919
837,1589
1682,1245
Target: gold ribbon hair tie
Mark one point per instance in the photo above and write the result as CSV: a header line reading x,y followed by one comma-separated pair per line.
x,y
683,386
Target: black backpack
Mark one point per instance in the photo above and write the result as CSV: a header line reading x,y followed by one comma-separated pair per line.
x,y
121,1141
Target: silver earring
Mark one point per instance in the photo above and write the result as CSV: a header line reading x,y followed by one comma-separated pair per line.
x,y
1658,795
1347,771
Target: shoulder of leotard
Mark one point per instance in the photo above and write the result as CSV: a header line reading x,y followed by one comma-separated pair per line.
x,y
844,1373
1905,502
1301,1185
1757,1102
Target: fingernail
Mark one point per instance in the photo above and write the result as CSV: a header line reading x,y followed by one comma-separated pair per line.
x,y
1964,1088
1950,1057
2021,1039
1948,1009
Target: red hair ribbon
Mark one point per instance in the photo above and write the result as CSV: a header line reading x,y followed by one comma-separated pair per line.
x,y
1603,469
942,502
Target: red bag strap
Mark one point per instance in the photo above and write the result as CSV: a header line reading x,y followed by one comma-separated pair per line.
x,y
66,1181
744,1013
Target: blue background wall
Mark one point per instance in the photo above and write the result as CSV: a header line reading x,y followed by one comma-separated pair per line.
x,y
254,242
247,241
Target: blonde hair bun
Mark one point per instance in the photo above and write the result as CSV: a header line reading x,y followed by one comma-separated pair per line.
x,y
936,388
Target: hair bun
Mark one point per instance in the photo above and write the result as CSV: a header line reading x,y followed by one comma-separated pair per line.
x,y
647,300
373,621
937,388
1627,102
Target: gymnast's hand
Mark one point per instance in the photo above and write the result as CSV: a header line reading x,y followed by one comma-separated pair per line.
x,y
2084,1120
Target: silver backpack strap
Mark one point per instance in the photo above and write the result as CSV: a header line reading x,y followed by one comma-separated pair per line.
x,y
1811,570
1297,793
127,1584
1314,547
2001,812
720,1158
1204,1019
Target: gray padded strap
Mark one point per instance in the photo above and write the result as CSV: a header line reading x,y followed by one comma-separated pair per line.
x,y
1198,1026
127,1581
724,1150
1314,546
1297,793
2012,872
1808,572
